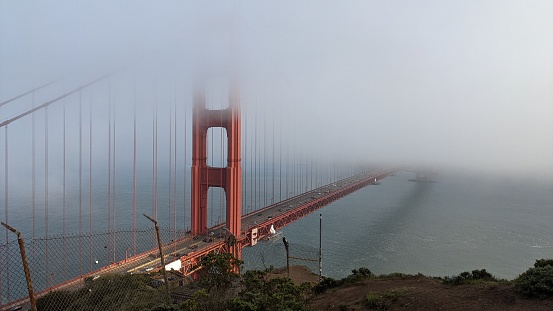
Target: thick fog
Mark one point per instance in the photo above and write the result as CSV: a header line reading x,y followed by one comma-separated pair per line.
x,y
452,84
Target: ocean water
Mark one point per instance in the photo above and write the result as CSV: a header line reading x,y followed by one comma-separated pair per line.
x,y
460,223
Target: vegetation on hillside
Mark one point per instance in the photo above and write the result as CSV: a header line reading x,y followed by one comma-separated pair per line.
x,y
536,282
220,287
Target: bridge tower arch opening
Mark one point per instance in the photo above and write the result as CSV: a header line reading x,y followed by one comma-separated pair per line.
x,y
229,178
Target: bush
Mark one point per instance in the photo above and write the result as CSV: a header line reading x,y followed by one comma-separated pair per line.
x,y
383,300
258,292
469,277
536,282
541,263
354,277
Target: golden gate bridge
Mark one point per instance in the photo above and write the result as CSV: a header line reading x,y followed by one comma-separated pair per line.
x,y
84,162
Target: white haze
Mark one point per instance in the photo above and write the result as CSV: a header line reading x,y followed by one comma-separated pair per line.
x,y
462,84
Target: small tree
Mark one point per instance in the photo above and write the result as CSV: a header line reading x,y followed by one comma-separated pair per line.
x,y
538,281
218,271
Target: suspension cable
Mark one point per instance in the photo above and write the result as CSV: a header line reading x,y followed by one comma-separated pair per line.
x,y
48,103
29,92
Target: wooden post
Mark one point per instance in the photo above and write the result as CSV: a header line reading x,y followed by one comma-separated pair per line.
x,y
25,265
320,247
286,246
161,258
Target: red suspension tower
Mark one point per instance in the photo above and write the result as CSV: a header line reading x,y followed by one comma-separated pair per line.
x,y
203,176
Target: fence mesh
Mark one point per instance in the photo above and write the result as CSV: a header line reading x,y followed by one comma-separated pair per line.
x,y
74,262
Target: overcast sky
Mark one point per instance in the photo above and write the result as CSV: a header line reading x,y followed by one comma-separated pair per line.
x,y
452,83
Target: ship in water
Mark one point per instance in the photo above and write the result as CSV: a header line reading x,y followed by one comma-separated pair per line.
x,y
423,176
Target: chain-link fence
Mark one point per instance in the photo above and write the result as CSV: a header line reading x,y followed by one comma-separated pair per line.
x,y
272,254
88,271
70,261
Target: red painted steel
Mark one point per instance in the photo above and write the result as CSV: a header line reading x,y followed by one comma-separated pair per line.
x,y
203,176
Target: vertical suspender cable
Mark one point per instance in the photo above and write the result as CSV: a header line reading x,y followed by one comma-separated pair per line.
x,y
153,162
64,189
109,173
255,156
251,164
47,261
184,174
80,182
90,182
210,201
63,182
175,172
245,161
156,165
33,173
221,193
280,155
156,168
134,171
265,153
273,154
114,227
170,163
6,173
287,195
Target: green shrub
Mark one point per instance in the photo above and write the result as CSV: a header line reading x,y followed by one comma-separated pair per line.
x,y
536,282
375,301
383,300
469,277
327,283
540,263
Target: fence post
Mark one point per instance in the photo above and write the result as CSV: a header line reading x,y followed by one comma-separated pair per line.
x,y
25,265
320,247
286,246
161,257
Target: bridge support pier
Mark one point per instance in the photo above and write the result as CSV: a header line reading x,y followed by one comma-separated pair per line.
x,y
203,176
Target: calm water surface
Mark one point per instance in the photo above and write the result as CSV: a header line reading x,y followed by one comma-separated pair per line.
x,y
457,224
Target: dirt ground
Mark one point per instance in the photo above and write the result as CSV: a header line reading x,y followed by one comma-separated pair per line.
x,y
424,293
298,274
418,293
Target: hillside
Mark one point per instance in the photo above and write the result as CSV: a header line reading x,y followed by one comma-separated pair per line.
x,y
424,293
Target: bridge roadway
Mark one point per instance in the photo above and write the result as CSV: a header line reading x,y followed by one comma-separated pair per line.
x,y
189,249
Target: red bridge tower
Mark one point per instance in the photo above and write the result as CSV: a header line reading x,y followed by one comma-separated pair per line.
x,y
203,176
